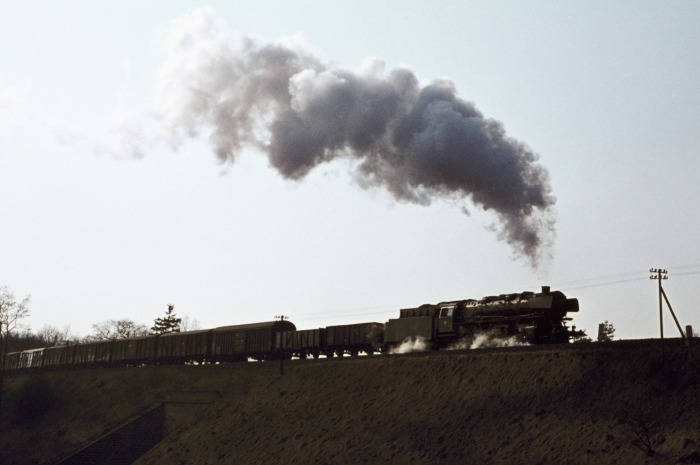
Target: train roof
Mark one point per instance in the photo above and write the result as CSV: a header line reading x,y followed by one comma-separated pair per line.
x,y
181,333
275,324
31,351
101,341
135,338
356,325
62,346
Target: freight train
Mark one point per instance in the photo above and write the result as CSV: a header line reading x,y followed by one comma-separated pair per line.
x,y
538,318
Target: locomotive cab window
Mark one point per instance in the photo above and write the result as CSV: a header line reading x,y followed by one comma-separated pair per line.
x,y
447,311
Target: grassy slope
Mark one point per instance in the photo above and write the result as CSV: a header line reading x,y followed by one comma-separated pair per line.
x,y
580,404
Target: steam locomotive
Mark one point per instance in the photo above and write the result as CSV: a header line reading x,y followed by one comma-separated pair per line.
x,y
538,318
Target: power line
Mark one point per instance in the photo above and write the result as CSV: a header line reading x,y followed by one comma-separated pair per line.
x,y
342,314
326,312
608,280
606,283
687,273
571,285
683,267
591,282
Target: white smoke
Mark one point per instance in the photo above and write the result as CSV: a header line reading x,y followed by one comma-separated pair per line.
x,y
487,339
411,344
418,142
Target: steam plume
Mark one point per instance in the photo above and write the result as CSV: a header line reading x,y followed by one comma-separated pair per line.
x,y
419,142
411,344
487,338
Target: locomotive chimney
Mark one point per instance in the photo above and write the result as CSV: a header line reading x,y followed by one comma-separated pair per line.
x,y
545,290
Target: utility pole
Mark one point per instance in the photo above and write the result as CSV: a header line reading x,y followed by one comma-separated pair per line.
x,y
280,342
658,274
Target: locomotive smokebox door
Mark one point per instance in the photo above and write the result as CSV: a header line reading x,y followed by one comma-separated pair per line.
x,y
445,319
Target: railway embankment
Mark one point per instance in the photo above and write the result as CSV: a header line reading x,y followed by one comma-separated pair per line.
x,y
590,403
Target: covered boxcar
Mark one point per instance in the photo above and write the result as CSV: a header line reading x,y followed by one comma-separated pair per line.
x,y
12,361
58,355
255,340
32,358
189,346
98,352
135,350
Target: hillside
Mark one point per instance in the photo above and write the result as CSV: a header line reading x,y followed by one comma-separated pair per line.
x,y
578,404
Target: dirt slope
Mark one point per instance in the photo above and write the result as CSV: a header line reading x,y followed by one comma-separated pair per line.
x,y
583,404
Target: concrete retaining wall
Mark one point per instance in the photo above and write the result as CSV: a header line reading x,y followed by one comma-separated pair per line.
x,y
126,443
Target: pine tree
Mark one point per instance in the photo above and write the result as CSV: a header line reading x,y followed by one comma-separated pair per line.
x,y
169,324
606,331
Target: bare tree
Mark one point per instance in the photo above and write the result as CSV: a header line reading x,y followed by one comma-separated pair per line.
x,y
12,312
52,336
190,324
116,329
643,425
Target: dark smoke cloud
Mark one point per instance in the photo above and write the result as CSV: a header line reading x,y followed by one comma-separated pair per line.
x,y
419,142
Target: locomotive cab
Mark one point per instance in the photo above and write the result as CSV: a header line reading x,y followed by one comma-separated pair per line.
x,y
446,319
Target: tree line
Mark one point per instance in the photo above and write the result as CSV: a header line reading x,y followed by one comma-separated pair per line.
x,y
16,336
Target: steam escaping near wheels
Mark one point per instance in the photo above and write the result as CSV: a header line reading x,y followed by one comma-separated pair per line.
x,y
421,142
411,344
487,339
479,340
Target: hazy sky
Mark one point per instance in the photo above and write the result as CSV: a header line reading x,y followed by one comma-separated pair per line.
x,y
337,161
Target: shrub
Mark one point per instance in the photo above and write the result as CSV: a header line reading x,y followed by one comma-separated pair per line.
x,y
643,426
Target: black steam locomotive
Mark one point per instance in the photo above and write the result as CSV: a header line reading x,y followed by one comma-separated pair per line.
x,y
538,318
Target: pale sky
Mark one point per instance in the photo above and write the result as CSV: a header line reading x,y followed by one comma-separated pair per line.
x,y
114,202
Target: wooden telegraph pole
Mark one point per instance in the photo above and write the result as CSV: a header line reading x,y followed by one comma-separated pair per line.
x,y
281,349
659,275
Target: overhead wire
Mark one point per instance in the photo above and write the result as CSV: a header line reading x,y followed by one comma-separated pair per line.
x,y
606,283
687,273
376,310
602,281
626,278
